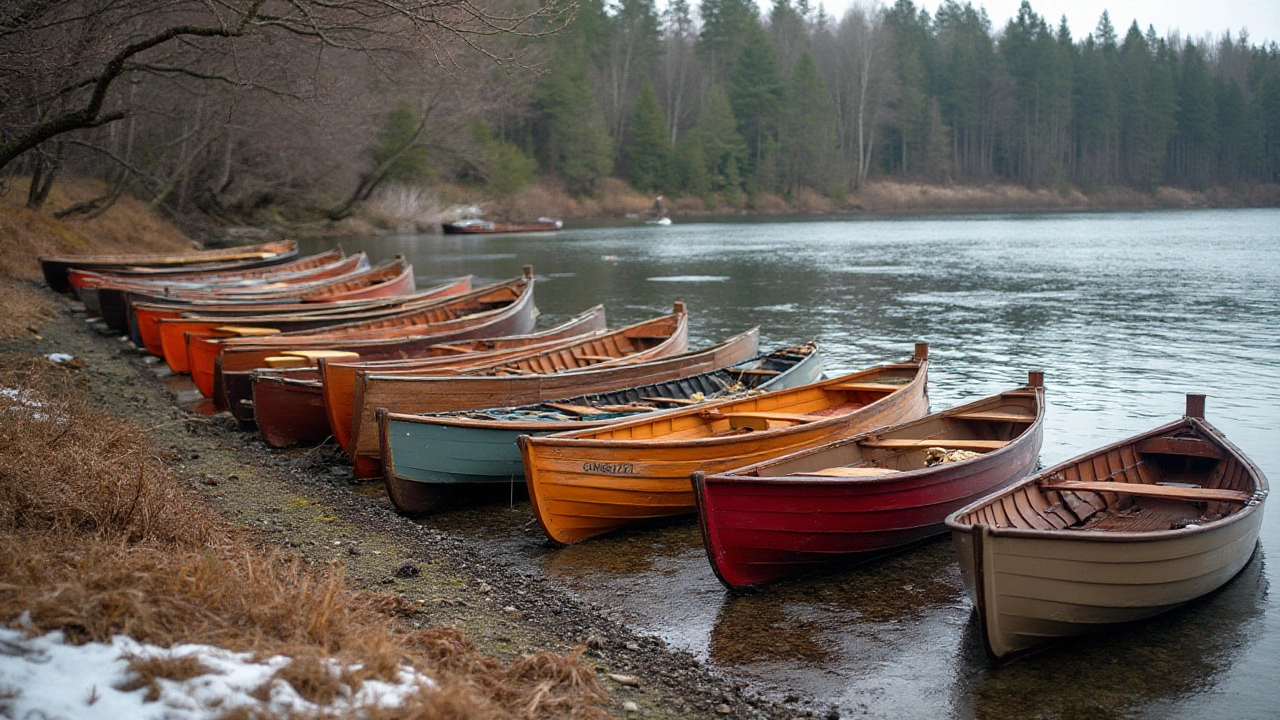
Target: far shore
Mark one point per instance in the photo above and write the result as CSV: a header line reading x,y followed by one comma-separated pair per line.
x,y
616,202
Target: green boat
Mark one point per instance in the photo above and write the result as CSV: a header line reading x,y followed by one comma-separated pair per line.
x,y
437,460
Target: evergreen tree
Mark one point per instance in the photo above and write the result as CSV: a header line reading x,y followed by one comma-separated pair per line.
x,y
1195,144
689,167
755,92
717,132
648,154
808,122
725,24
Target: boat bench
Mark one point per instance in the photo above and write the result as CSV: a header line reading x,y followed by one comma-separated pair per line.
x,y
1193,494
758,420
910,443
865,387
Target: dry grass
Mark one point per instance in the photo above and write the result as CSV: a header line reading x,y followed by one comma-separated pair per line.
x,y
26,307
145,672
129,226
97,538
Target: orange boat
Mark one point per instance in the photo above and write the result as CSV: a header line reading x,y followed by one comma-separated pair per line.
x,y
491,311
594,481
114,302
145,317
388,280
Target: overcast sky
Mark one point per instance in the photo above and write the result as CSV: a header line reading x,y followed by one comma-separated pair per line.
x,y
1193,18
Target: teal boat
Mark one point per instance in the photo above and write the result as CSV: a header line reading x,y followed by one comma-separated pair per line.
x,y
434,460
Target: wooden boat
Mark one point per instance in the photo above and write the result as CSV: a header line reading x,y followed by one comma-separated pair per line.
x,y
288,404
111,299
480,227
430,460
85,282
863,496
145,316
591,482
593,359
394,279
225,365
55,267
1118,534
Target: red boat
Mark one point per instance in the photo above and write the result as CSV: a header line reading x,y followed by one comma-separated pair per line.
x,y
867,495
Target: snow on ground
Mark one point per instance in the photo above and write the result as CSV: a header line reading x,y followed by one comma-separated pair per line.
x,y
44,677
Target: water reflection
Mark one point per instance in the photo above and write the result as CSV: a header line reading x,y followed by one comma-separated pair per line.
x,y
1154,664
1124,312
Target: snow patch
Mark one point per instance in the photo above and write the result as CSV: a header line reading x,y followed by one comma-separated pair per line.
x,y
46,677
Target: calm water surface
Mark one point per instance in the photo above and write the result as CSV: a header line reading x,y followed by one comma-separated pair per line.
x,y
1125,313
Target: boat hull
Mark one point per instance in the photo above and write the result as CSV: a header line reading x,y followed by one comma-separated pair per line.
x,y
1035,591
581,488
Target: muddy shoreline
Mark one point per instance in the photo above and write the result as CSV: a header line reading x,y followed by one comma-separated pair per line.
x,y
305,501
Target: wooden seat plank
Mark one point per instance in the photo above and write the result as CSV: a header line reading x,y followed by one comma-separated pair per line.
x,y
850,472
997,416
908,443
1195,494
866,386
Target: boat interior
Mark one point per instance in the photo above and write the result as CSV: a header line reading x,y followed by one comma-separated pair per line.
x,y
776,410
1163,482
960,434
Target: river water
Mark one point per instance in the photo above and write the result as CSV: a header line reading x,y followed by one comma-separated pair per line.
x,y
1124,312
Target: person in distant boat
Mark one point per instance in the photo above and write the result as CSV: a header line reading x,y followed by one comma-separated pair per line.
x,y
659,210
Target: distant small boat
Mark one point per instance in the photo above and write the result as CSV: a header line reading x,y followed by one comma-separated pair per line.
x,y
476,226
1118,534
658,221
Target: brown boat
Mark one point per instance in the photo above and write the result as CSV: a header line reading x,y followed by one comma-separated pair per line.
x,y
288,405
112,300
1119,534
612,355
145,316
591,482
55,267
491,311
389,280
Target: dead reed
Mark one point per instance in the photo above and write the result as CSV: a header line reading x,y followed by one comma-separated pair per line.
x,y
98,538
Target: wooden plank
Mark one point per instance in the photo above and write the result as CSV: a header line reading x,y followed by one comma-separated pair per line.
x,y
1194,447
671,401
908,443
996,416
575,409
850,472
245,331
283,361
1194,494
751,371
788,417
869,387
317,354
